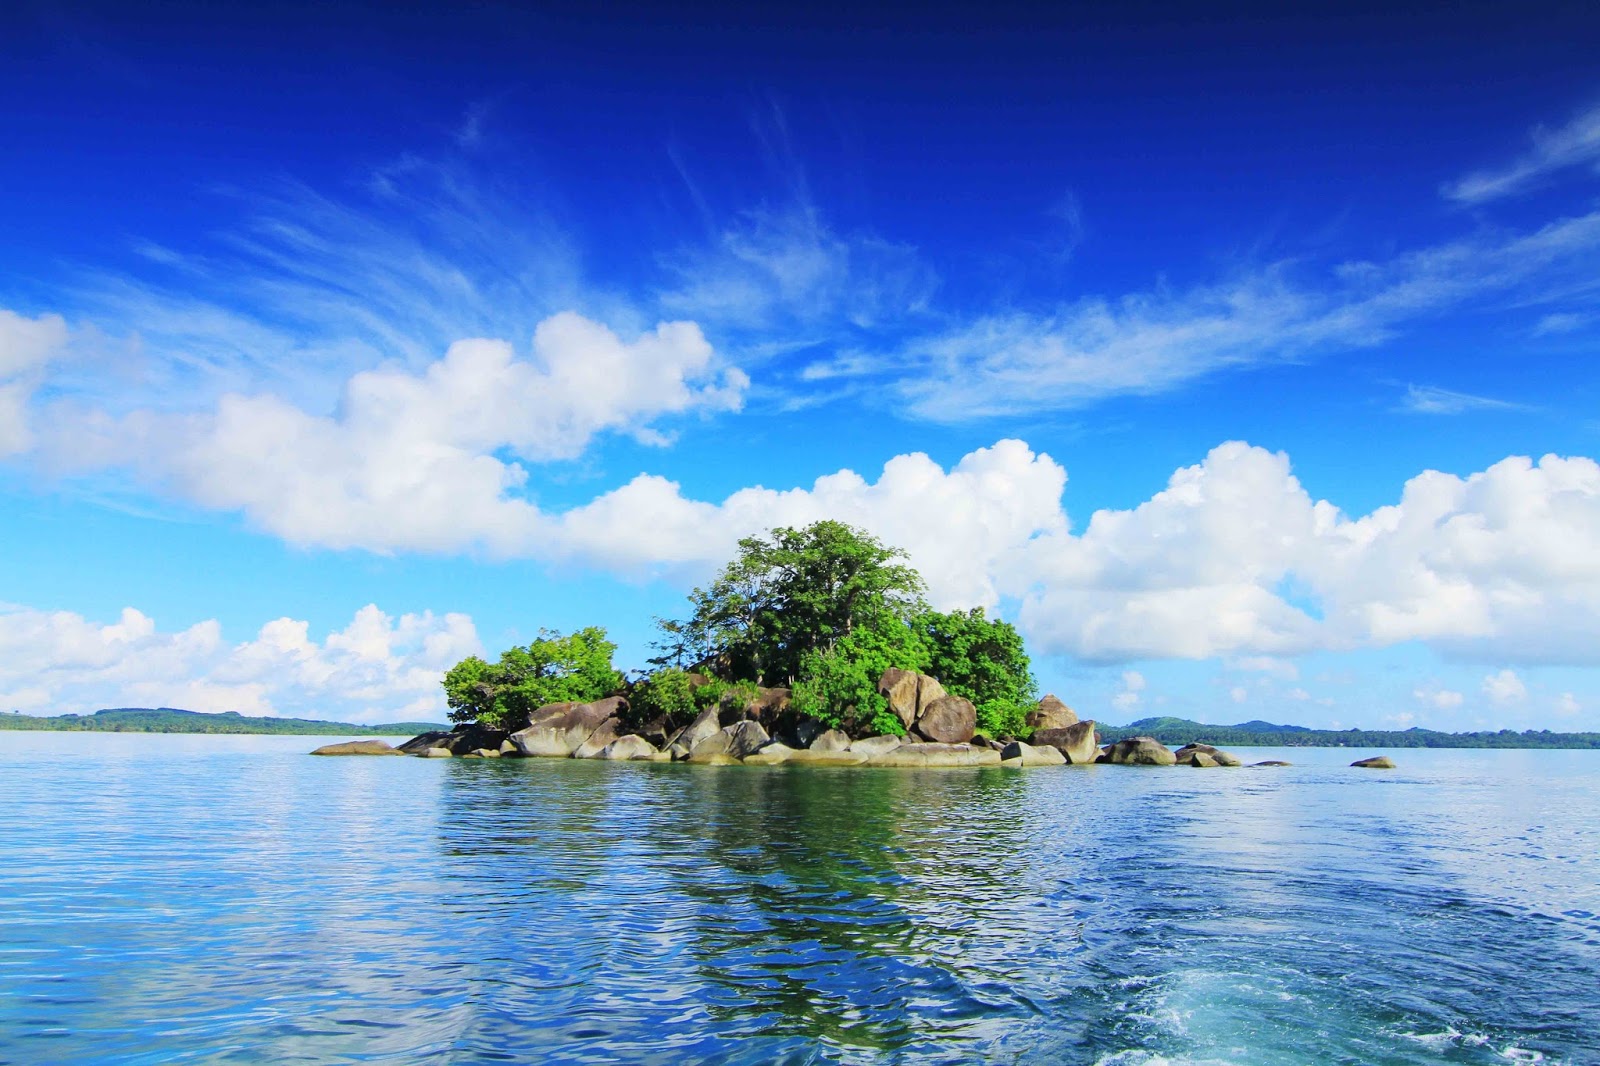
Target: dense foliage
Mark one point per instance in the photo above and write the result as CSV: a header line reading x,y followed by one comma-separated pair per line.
x,y
984,660
1264,734
552,669
838,685
783,598
172,720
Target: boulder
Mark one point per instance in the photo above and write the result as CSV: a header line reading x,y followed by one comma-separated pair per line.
x,y
1141,751
771,755
947,720
359,747
487,753
602,738
1050,714
629,747
423,741
1377,762
713,758
472,737
1029,755
561,731
1272,762
832,740
908,693
438,753
703,727
1076,742
1199,758
870,746
932,755
813,757
735,741
1217,755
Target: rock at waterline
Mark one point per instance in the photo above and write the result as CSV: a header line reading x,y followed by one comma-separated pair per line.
x,y
1019,754
813,757
1076,742
701,729
359,747
735,741
560,729
948,720
1199,758
1377,762
629,747
1272,762
605,733
832,740
1140,751
420,743
937,755
772,755
1051,714
1217,756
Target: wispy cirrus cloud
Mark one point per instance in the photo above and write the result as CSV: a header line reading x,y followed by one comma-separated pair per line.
x,y
1432,400
1575,144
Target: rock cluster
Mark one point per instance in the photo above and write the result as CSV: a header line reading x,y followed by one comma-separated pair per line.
x,y
940,730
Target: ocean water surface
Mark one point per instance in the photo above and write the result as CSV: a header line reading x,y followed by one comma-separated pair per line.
x,y
211,899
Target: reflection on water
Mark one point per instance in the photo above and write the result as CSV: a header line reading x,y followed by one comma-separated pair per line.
x,y
231,900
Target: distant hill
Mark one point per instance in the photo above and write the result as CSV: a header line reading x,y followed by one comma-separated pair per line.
x,y
173,720
1266,734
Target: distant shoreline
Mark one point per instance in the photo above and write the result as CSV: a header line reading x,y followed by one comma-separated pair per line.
x,y
173,720
1166,730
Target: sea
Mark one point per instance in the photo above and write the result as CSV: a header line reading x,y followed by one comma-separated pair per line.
x,y
229,899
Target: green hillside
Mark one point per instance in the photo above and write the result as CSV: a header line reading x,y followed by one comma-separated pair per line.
x,y
172,720
1265,734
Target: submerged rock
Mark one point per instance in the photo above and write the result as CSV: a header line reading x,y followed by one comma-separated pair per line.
x,y
359,747
1377,762
1272,762
812,757
1076,742
1217,756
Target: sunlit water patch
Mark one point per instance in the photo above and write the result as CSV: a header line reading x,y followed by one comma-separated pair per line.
x,y
229,899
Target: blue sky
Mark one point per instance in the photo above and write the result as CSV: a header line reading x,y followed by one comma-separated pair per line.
x,y
1243,358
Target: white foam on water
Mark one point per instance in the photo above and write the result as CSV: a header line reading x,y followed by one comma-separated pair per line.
x,y
1519,1054
1142,1057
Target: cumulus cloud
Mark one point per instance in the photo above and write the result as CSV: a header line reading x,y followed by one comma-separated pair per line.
x,y
378,668
1440,699
1505,688
26,346
414,460
1576,144
1133,684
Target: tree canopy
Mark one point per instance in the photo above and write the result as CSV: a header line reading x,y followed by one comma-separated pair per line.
x,y
552,669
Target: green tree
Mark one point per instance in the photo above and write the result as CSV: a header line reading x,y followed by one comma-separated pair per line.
x,y
984,660
789,595
552,669
838,685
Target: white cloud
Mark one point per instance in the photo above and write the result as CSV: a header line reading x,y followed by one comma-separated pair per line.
x,y
1440,699
1430,400
1238,693
26,346
414,461
1133,685
1505,688
1567,705
377,668
1577,144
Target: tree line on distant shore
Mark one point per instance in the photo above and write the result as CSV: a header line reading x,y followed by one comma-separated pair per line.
x,y
173,720
1183,731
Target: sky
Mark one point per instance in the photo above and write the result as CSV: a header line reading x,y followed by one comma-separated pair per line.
x,y
1243,356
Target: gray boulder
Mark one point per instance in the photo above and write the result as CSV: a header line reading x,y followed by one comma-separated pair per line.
x,y
813,757
562,731
1377,762
1217,755
1076,742
935,755
1272,762
1198,758
772,755
423,741
871,746
608,731
735,741
832,740
702,728
629,747
1050,714
1141,751
1028,755
947,720
359,747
